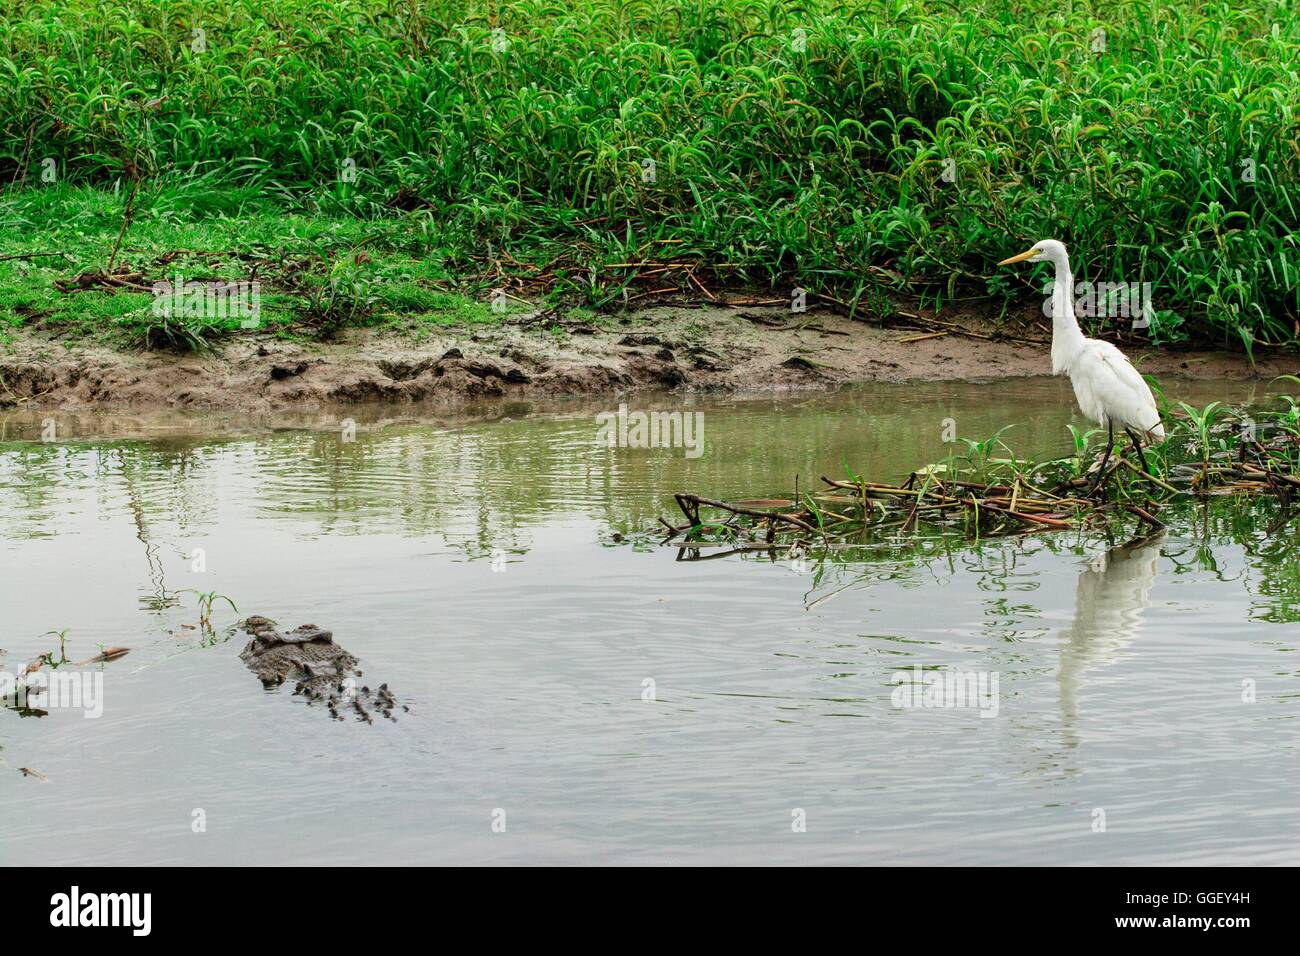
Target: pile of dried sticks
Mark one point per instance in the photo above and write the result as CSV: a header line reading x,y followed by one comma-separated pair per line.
x,y
1022,500
845,512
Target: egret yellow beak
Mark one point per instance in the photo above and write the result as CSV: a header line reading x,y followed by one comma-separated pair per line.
x,y
1020,258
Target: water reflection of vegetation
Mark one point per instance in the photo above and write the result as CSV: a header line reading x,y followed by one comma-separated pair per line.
x,y
484,487
511,475
1270,573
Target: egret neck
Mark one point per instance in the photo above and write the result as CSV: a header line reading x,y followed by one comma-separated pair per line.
x,y
1067,339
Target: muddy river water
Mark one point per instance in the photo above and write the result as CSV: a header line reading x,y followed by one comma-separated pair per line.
x,y
573,697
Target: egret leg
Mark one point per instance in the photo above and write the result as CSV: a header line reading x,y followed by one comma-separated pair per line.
x,y
1105,459
1137,446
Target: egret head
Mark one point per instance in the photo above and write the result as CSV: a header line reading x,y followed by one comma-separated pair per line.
x,y
1045,250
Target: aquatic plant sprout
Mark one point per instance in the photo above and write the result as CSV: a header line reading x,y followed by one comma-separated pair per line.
x,y
207,600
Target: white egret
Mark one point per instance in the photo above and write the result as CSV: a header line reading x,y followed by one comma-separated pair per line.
x,y
1109,389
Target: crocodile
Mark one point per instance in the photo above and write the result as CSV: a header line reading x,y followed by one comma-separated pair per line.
x,y
321,671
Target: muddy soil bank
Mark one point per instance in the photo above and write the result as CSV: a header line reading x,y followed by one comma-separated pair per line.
x,y
535,356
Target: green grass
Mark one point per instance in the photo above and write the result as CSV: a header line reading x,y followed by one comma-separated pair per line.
x,y
294,255
792,142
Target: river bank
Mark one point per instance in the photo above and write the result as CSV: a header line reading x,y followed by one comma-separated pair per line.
x,y
544,354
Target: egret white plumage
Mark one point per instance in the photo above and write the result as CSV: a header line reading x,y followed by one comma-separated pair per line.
x,y
1110,391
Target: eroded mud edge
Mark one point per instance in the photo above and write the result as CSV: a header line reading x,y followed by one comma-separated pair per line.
x,y
691,349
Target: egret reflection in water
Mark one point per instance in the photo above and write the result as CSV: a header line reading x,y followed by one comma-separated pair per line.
x,y
1112,593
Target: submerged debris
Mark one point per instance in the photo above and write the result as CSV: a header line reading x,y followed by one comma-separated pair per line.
x,y
107,654
846,512
319,669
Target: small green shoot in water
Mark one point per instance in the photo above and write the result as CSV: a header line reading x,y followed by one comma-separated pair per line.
x,y
1081,438
1202,420
207,599
979,455
63,654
